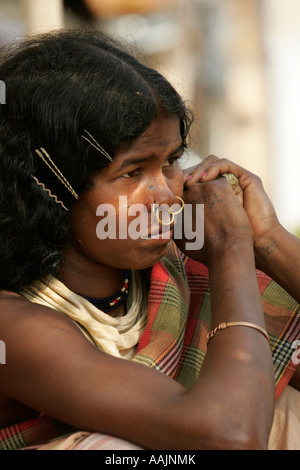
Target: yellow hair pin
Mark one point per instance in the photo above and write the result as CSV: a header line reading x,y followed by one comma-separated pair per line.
x,y
49,192
51,165
96,145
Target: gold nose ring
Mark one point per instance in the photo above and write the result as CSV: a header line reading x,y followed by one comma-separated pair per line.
x,y
181,208
172,213
161,221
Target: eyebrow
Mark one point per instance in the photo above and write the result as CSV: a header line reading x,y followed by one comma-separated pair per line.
x,y
135,161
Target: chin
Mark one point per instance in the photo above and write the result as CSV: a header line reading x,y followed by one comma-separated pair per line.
x,y
149,261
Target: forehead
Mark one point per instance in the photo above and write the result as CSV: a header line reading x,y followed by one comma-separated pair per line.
x,y
162,135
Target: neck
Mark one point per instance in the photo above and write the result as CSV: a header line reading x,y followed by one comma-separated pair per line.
x,y
89,279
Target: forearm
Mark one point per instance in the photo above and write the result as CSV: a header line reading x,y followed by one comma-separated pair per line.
x,y
237,372
234,288
278,255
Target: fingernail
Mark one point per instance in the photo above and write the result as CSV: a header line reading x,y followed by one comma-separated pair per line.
x,y
203,175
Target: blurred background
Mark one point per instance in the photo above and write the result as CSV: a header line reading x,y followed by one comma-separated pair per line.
x,y
236,63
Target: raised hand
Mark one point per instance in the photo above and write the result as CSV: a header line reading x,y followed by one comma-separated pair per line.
x,y
250,193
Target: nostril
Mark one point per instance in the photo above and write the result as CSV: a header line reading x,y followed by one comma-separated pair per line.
x,y
148,203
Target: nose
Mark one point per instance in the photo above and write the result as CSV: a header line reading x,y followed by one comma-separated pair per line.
x,y
159,193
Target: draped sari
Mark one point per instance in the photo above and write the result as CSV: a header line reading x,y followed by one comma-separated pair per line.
x,y
169,335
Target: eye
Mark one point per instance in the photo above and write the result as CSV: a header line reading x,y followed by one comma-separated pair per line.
x,y
131,174
170,162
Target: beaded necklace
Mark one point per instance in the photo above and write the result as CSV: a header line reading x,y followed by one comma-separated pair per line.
x,y
110,303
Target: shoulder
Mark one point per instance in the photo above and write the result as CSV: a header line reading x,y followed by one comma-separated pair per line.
x,y
9,296
35,337
12,307
17,311
28,329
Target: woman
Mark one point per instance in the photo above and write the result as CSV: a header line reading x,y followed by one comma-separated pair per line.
x,y
84,124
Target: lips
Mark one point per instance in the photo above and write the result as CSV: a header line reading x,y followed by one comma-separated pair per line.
x,y
149,228
166,237
163,233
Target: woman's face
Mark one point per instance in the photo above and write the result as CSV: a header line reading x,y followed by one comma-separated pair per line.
x,y
147,173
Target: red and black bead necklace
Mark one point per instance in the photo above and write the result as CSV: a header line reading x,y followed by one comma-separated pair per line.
x,y
110,303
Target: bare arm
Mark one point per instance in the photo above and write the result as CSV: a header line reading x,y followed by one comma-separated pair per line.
x,y
278,255
51,367
277,251
57,371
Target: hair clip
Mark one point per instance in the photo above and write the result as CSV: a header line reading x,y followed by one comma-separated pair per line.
x,y
50,164
96,145
49,192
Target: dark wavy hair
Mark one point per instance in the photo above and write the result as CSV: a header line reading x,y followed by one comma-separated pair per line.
x,y
80,9
57,86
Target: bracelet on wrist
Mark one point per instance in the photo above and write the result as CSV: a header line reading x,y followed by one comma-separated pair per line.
x,y
223,326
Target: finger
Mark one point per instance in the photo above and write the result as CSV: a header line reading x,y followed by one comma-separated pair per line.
x,y
227,166
222,166
194,174
188,172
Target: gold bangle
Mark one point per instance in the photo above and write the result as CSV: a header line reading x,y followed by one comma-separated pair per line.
x,y
223,326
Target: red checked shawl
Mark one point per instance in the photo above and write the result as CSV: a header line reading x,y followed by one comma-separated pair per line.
x,y
174,340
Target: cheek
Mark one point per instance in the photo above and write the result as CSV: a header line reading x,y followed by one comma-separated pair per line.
x,y
85,220
84,233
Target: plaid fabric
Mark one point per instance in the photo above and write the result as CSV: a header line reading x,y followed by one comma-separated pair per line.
x,y
32,433
174,340
179,320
